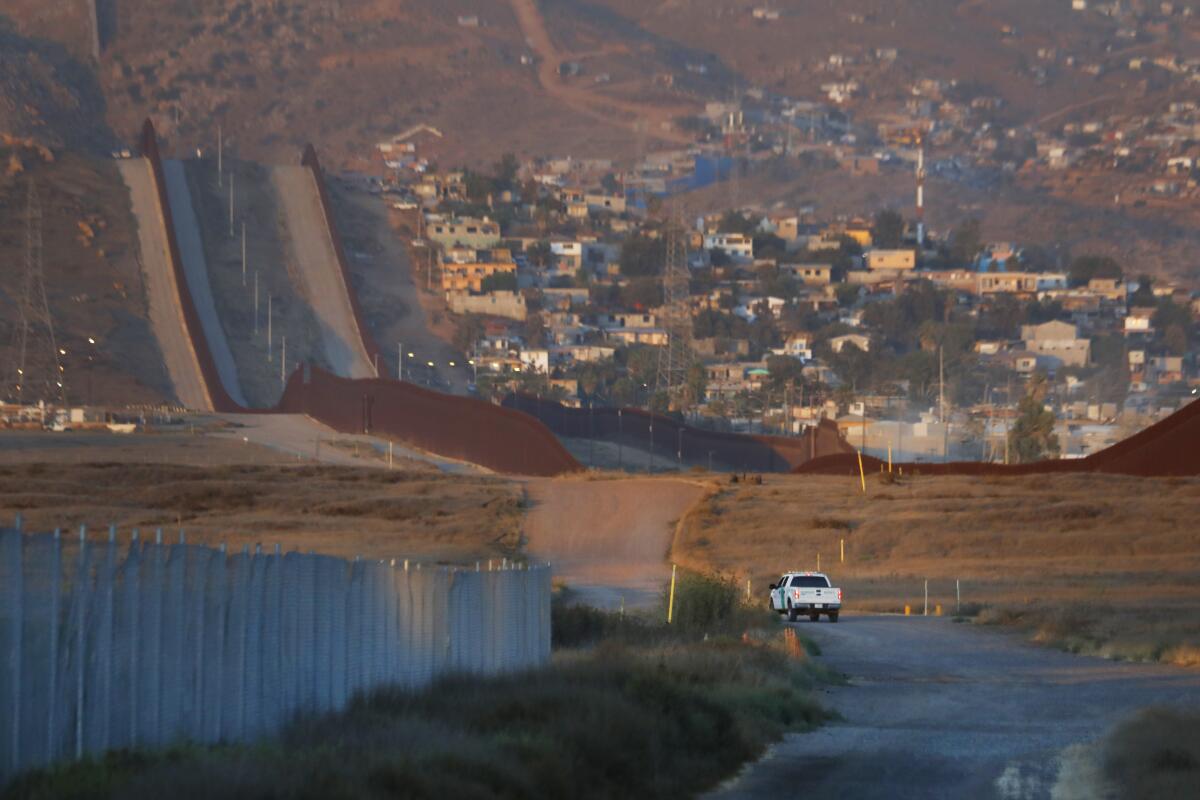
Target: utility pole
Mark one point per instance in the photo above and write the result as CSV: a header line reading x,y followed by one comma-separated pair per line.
x,y
220,158
243,253
941,387
283,359
620,433
231,176
256,302
270,340
400,360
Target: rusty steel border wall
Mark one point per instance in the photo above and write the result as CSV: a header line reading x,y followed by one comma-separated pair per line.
x,y
631,426
456,427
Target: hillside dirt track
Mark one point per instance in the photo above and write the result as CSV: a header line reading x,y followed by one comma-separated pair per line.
x,y
607,539
935,709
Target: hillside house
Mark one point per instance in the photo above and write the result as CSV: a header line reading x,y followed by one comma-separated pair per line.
x,y
1018,283
1057,340
734,245
838,343
480,234
891,259
469,276
809,274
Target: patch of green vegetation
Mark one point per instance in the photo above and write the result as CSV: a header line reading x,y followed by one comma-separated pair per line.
x,y
629,707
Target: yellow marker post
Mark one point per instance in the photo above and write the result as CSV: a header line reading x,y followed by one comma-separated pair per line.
x,y
907,609
818,562
671,599
889,458
862,476
843,546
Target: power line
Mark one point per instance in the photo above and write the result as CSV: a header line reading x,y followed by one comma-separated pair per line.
x,y
38,372
675,357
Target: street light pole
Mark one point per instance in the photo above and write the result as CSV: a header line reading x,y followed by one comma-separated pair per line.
x,y
400,361
620,433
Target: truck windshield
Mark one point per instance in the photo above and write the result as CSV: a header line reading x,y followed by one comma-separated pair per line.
x,y
809,582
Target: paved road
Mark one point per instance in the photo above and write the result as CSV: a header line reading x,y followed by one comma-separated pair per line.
x,y
166,316
312,249
195,266
937,709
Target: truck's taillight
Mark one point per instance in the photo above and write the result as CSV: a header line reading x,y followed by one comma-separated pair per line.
x,y
839,595
796,593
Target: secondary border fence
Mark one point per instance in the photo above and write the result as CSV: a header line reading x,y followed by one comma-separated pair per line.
x,y
105,645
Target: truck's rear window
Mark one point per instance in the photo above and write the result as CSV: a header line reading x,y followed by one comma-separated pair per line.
x,y
809,582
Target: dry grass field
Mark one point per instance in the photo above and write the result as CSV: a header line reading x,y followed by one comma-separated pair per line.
x,y
1092,563
343,511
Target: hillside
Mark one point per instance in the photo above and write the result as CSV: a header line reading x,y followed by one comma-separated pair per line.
x,y
52,131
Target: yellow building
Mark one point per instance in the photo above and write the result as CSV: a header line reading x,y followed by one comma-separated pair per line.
x,y
469,277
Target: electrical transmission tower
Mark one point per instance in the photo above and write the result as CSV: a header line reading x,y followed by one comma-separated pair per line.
x,y
675,357
38,372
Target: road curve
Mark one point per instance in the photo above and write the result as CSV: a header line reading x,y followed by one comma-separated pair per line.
x,y
937,709
607,539
313,254
162,294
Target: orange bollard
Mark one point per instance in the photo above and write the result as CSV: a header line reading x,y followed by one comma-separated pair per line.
x,y
907,609
937,610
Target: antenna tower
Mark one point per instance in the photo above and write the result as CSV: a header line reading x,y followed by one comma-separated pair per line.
x,y
675,357
920,192
38,370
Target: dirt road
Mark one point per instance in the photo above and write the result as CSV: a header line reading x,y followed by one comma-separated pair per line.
x,y
607,539
166,316
313,253
305,438
938,709
653,120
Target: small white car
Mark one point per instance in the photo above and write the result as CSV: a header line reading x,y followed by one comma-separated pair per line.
x,y
808,593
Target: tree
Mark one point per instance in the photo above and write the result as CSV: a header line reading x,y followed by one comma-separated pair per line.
x,y
1143,296
539,253
642,256
1032,437
641,293
506,171
735,222
499,282
467,332
1085,268
888,230
966,241
784,370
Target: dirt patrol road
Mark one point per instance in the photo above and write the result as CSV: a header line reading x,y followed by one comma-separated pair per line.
x,y
607,539
936,709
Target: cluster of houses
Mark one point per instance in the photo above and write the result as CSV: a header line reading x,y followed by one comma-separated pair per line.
x,y
549,288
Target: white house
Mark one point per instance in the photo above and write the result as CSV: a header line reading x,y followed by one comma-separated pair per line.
x,y
838,343
736,245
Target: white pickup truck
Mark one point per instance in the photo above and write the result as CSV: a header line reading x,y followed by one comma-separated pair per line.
x,y
808,593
